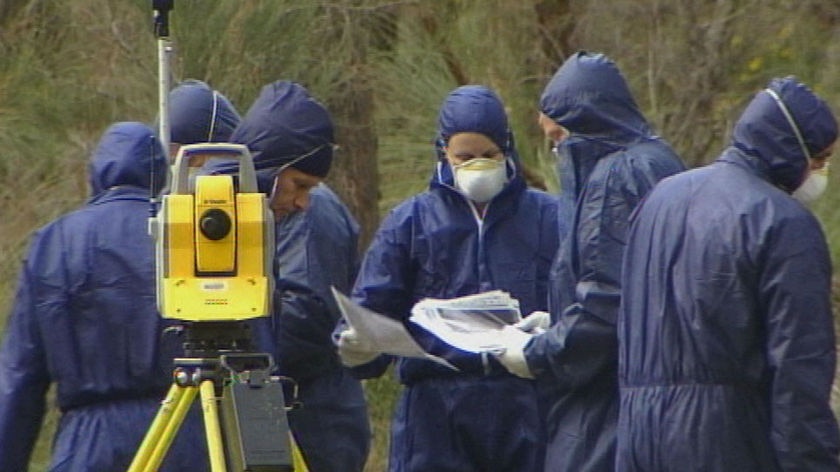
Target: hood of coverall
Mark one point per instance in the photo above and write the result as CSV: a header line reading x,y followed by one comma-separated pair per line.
x,y
127,155
199,114
764,132
284,126
591,99
474,109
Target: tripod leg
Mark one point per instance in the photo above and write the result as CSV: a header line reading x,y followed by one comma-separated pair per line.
x,y
298,462
163,429
212,427
171,428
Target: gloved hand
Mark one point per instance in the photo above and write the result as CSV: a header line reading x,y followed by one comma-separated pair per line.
x,y
537,322
352,351
513,341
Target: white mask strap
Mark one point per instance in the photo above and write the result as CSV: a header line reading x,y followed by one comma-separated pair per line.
x,y
213,116
302,157
790,120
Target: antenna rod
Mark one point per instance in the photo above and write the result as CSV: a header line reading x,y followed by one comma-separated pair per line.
x,y
161,26
161,10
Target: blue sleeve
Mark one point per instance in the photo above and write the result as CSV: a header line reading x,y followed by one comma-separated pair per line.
x,y
582,343
23,378
385,281
304,316
801,352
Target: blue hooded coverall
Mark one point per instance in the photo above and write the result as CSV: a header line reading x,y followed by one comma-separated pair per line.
x,y
432,246
315,249
727,349
85,318
199,114
609,162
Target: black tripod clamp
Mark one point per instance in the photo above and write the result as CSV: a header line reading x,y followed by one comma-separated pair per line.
x,y
254,370
161,15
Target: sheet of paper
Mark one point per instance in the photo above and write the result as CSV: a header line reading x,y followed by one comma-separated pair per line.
x,y
471,323
382,333
470,337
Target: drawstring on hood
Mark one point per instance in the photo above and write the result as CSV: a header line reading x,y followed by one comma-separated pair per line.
x,y
781,128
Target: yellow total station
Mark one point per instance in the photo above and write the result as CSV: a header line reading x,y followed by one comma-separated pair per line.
x,y
214,242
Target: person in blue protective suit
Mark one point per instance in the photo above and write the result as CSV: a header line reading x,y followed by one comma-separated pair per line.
x,y
726,338
199,114
477,228
290,135
84,318
610,158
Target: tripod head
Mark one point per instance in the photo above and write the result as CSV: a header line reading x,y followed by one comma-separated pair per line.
x,y
220,350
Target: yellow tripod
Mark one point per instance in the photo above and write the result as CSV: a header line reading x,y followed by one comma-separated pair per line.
x,y
243,408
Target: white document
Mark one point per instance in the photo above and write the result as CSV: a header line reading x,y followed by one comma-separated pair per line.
x,y
471,323
381,333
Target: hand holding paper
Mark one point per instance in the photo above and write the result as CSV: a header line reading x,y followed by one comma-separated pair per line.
x,y
535,323
375,333
480,323
512,356
352,351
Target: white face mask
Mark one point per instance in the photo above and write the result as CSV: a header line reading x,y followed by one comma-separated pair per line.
x,y
813,187
480,179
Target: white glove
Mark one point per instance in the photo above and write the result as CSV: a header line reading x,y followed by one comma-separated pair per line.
x,y
513,341
536,323
352,350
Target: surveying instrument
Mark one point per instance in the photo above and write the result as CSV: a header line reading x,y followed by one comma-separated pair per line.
x,y
214,244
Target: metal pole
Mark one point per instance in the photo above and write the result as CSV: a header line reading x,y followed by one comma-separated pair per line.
x,y
161,21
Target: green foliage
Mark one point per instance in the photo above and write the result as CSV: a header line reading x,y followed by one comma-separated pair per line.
x,y
413,80
381,395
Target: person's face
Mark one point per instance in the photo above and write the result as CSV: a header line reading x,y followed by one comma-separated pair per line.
x,y
465,146
551,129
820,161
291,192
